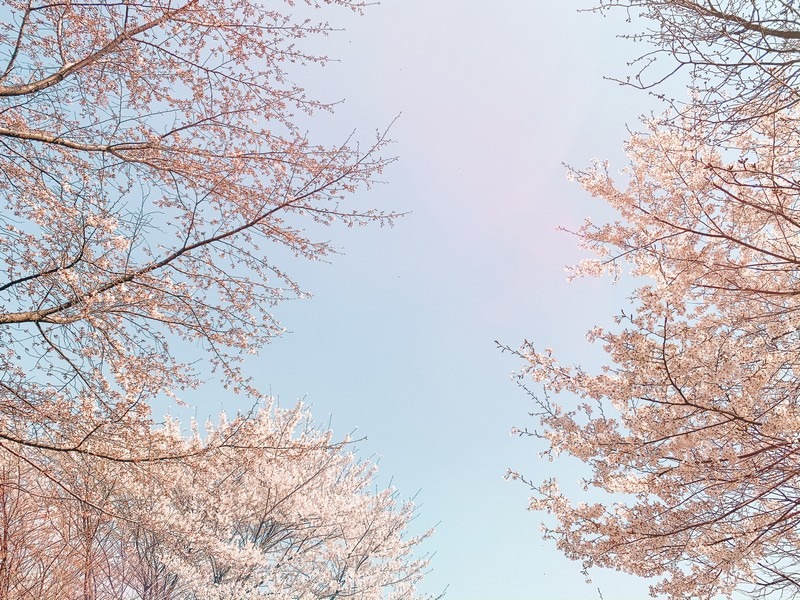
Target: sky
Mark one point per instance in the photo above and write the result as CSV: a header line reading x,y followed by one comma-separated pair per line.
x,y
397,345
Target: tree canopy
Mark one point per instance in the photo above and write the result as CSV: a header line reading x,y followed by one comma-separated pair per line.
x,y
689,430
155,165
153,161
261,507
738,56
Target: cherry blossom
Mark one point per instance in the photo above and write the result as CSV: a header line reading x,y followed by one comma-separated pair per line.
x,y
154,172
157,173
265,506
690,430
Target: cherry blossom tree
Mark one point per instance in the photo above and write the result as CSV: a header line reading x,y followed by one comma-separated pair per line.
x,y
157,173
155,169
279,510
740,56
690,430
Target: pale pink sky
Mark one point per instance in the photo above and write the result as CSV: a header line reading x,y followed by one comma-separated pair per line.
x,y
398,340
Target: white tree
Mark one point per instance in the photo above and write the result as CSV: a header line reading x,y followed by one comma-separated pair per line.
x,y
264,506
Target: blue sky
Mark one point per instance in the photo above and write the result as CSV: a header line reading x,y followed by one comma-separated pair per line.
x,y
397,343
